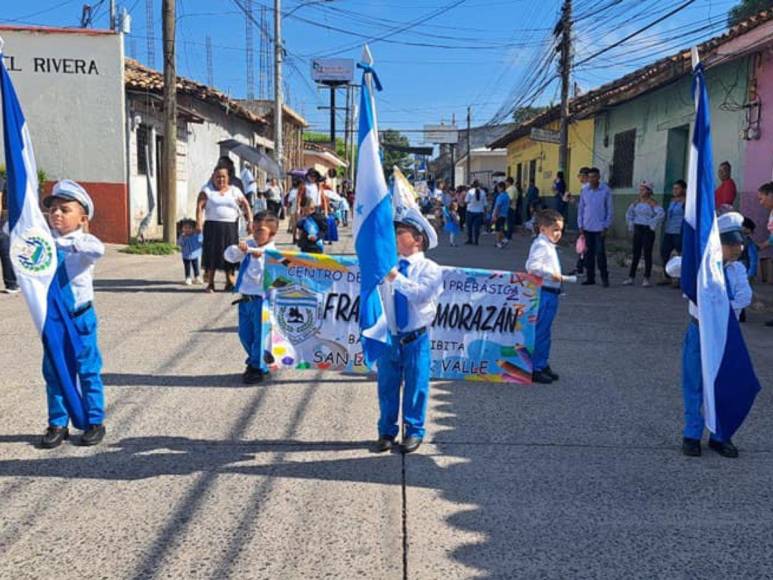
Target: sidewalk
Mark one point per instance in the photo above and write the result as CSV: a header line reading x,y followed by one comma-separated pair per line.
x,y
203,477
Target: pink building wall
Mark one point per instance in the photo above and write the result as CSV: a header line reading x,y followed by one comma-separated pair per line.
x,y
758,160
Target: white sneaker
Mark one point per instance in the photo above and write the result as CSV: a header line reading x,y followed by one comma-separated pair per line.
x,y
12,290
499,245
646,283
628,282
198,280
188,281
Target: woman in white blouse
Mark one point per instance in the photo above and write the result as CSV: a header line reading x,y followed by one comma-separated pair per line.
x,y
643,217
476,207
217,214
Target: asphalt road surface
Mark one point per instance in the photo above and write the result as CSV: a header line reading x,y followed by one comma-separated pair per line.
x,y
202,477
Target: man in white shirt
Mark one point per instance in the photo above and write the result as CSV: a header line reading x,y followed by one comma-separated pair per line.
x,y
410,300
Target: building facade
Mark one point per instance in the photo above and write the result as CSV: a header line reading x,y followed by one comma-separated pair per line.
x,y
70,85
205,118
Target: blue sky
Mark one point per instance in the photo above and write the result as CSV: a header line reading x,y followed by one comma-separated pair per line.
x,y
481,53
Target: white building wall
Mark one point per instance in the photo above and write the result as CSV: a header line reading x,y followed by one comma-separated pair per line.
x,y
71,87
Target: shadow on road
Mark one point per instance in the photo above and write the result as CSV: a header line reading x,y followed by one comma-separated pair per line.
x,y
232,381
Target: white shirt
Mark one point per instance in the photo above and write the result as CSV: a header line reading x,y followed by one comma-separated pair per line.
x,y
644,214
82,251
222,207
274,193
248,180
312,193
252,281
543,261
473,205
422,287
292,199
737,281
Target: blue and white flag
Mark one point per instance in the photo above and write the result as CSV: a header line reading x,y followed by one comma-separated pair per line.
x,y
729,382
34,254
374,232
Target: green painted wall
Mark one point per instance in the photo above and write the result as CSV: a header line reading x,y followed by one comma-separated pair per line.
x,y
655,114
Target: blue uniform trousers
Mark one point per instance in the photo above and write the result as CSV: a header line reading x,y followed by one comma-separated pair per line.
x,y
89,367
692,385
251,332
408,364
548,308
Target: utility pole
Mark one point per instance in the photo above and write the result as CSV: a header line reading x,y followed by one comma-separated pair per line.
x,y
113,16
565,66
469,149
170,124
347,127
278,55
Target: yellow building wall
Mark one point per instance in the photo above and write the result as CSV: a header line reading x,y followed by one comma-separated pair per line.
x,y
524,151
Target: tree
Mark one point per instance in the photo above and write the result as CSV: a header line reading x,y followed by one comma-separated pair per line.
x,y
525,114
399,158
747,8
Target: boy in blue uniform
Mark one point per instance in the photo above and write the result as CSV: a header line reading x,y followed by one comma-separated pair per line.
x,y
410,296
543,262
740,294
69,210
250,284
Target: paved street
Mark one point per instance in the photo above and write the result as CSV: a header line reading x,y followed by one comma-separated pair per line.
x,y
202,477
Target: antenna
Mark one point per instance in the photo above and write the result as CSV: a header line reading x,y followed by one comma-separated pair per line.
x,y
250,54
210,68
150,34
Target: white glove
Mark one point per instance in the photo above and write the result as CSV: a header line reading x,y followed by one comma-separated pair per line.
x,y
569,279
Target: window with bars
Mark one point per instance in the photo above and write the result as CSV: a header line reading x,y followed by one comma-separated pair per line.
x,y
143,135
622,159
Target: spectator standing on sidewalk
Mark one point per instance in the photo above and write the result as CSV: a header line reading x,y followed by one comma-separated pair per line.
x,y
582,177
672,232
561,201
594,216
726,190
9,276
461,204
765,196
476,207
532,198
500,214
643,218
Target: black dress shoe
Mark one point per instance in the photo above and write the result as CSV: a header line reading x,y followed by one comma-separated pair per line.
x,y
93,435
588,283
725,449
541,377
252,376
54,436
385,443
691,447
549,372
411,444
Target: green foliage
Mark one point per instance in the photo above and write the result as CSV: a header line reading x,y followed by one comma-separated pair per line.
x,y
399,158
524,114
149,248
42,176
745,9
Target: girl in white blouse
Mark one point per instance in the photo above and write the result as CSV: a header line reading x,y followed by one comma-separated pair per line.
x,y
643,217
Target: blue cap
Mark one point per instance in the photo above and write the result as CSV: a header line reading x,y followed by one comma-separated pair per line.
x,y
69,190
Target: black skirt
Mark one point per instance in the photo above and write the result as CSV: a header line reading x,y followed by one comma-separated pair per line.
x,y
217,237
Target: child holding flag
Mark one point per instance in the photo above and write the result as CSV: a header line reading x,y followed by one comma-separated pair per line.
x,y
250,284
410,302
70,209
739,293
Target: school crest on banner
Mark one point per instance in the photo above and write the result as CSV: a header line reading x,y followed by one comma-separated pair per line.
x,y
484,326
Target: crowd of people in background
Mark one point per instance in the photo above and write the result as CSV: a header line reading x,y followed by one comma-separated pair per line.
x,y
506,208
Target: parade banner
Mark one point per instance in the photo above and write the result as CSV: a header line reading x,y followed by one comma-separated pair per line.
x,y
484,328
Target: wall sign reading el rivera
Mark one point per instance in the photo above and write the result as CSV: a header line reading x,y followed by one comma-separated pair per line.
x,y
483,328
71,85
